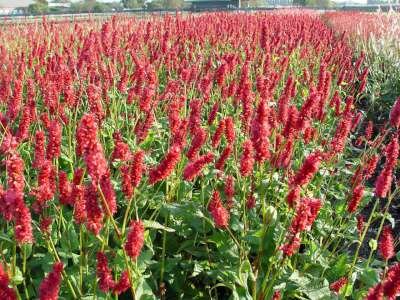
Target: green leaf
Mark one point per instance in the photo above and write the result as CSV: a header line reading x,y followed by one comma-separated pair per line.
x,y
144,291
369,277
18,277
244,272
4,237
156,225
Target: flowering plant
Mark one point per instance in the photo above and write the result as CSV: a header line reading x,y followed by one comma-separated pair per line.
x,y
210,156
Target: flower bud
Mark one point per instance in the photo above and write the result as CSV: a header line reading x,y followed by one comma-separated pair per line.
x,y
270,215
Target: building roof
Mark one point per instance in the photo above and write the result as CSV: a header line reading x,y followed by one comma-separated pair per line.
x,y
15,3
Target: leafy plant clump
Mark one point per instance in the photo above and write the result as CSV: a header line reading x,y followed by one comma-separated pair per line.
x,y
375,39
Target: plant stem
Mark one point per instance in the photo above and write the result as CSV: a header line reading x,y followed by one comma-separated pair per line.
x,y
162,269
360,244
128,208
52,249
381,225
110,216
24,271
82,256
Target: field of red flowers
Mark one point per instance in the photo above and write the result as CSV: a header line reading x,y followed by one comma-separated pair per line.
x,y
210,156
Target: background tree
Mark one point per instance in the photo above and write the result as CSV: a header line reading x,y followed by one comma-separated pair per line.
x,y
319,3
39,7
133,3
299,2
174,4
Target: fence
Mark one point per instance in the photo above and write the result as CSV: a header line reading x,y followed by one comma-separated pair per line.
x,y
5,19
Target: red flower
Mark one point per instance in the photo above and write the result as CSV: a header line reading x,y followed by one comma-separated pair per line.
x,y
86,133
108,192
15,173
195,115
251,201
383,183
23,224
375,293
220,164
78,200
260,133
392,153
308,169
166,166
78,176
391,285
137,167
384,180
104,273
247,159
371,166
96,162
54,145
356,197
198,140
94,99
193,169
123,283
45,190
64,188
386,243
291,124
291,246
306,213
91,148
338,284
142,127
9,143
127,187
23,128
178,137
395,114
360,224
285,154
121,150
213,113
229,190
342,131
135,239
94,215
229,130
277,295
216,138
45,224
369,130
293,196
218,211
50,286
6,292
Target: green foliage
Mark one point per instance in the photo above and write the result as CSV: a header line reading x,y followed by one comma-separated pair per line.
x,y
95,7
133,3
319,3
39,7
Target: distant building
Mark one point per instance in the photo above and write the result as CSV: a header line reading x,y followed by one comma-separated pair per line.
x,y
210,4
59,4
382,2
12,7
279,2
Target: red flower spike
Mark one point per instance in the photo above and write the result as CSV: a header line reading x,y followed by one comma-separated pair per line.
x,y
135,239
386,243
50,286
